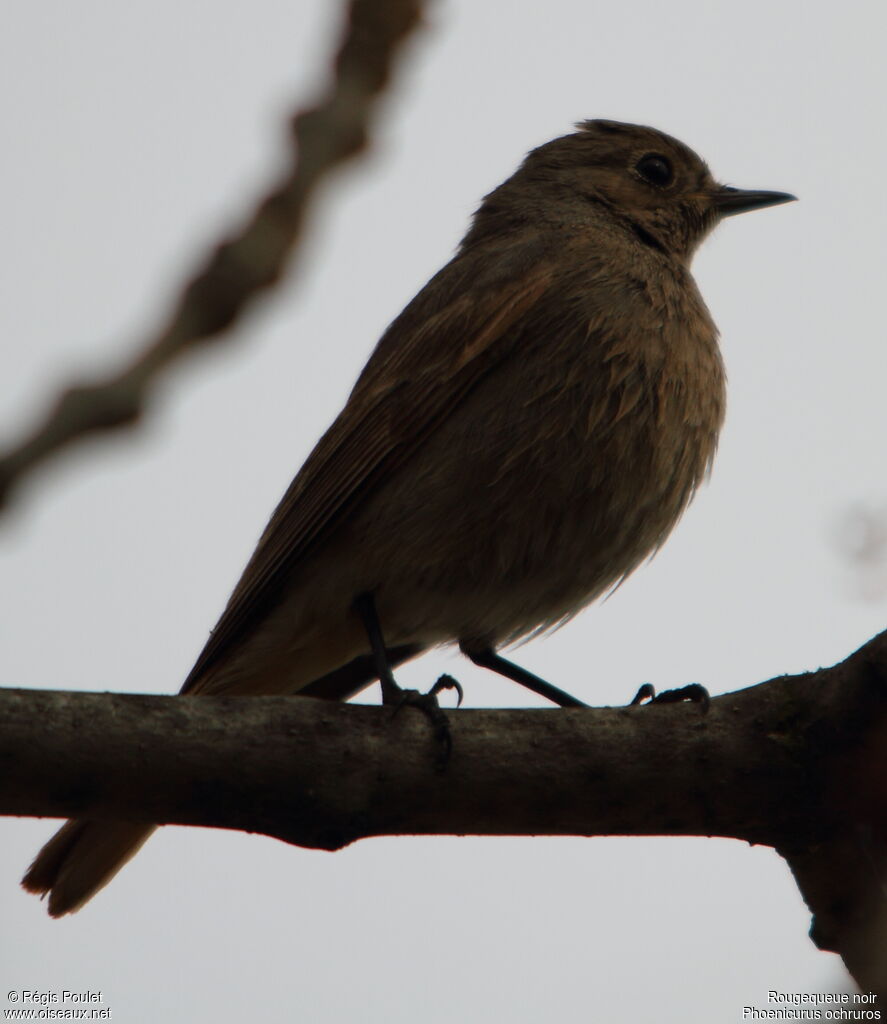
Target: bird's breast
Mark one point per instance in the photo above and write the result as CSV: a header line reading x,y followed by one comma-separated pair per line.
x,y
564,468
601,437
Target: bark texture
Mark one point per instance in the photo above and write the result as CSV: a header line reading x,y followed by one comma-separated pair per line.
x,y
792,763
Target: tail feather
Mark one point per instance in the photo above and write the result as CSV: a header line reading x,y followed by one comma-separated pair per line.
x,y
81,858
84,855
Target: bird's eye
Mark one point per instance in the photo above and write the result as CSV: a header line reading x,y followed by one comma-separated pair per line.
x,y
656,169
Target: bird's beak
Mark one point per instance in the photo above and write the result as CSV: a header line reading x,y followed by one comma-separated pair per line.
x,y
729,201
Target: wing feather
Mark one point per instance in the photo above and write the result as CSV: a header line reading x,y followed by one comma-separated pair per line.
x,y
421,370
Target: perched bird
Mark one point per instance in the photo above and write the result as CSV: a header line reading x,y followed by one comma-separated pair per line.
x,y
526,432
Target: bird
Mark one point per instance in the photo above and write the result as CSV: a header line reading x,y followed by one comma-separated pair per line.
x,y
526,432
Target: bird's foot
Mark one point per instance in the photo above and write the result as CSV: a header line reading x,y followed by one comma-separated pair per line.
x,y
429,705
692,691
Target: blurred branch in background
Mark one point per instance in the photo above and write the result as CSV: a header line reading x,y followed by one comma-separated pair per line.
x,y
860,537
240,268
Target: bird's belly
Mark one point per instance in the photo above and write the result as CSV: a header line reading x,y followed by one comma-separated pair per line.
x,y
510,523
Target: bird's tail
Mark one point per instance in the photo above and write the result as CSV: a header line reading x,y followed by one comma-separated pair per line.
x,y
81,858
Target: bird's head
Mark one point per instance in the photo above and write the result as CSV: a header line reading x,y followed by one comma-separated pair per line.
x,y
645,178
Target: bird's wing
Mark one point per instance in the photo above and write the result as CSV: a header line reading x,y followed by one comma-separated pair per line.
x,y
423,367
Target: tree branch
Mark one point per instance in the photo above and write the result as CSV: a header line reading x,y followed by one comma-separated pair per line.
x,y
793,763
240,268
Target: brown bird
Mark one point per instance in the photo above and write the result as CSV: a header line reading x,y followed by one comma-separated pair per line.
x,y
525,434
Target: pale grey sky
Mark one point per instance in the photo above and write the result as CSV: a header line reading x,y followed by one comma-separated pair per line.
x,y
132,134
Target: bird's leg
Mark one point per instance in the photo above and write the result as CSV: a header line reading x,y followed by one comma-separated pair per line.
x,y
394,694
694,692
365,607
486,657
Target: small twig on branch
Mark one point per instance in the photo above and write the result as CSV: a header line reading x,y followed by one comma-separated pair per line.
x,y
240,268
794,763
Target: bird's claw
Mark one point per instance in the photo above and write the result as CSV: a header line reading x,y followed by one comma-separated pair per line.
x,y
428,704
448,683
694,692
646,692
